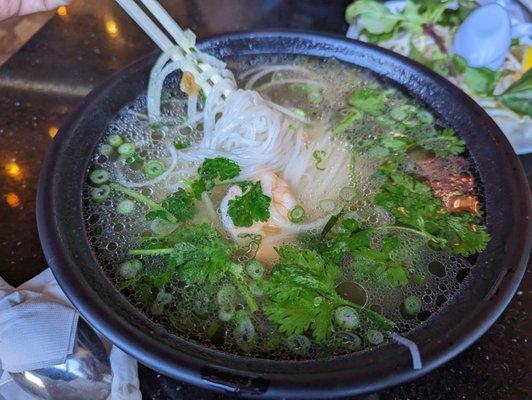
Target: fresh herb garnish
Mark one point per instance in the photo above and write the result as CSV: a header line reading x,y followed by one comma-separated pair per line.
x,y
481,81
318,158
199,255
252,205
302,295
518,97
180,204
370,100
214,170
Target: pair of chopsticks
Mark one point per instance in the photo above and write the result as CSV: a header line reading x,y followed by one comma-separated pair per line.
x,y
173,38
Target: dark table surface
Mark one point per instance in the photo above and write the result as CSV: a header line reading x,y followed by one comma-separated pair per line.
x,y
50,75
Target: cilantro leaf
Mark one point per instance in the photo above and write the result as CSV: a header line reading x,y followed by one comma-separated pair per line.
x,y
213,170
302,295
201,254
368,100
180,204
378,264
518,97
251,206
443,143
414,205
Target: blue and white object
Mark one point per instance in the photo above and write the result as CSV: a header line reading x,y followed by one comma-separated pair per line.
x,y
484,37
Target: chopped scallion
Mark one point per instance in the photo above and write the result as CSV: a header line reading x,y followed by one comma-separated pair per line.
x,y
318,157
154,168
126,149
115,140
125,207
100,194
412,305
327,205
99,176
296,214
129,269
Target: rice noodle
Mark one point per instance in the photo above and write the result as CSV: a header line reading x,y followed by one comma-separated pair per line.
x,y
274,68
288,81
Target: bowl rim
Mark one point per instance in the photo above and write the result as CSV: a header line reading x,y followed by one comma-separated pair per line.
x,y
304,383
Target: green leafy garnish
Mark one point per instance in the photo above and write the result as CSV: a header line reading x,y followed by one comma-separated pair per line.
x,y
373,16
481,81
211,171
443,143
377,19
414,205
180,204
378,264
518,97
370,100
251,206
302,295
199,255
181,144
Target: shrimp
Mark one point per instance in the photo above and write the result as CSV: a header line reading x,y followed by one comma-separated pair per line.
x,y
277,229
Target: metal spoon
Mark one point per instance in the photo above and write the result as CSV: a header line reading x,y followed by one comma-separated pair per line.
x,y
86,373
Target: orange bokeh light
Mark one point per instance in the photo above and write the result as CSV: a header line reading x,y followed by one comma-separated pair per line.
x,y
111,27
53,131
62,11
13,170
12,200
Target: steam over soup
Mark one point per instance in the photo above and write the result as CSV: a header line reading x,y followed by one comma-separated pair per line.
x,y
314,212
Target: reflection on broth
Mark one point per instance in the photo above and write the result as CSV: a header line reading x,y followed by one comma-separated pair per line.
x,y
312,220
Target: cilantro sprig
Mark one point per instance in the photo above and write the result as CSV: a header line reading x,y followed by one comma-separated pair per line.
x,y
252,205
211,171
198,255
302,295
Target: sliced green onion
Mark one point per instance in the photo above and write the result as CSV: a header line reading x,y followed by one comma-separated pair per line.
x,y
255,269
353,116
106,149
161,227
129,269
425,117
348,193
100,194
154,168
244,334
327,205
255,289
226,295
226,313
412,305
164,297
181,144
299,112
296,214
410,122
318,158
99,176
399,113
126,149
374,337
115,140
346,317
315,97
298,344
125,207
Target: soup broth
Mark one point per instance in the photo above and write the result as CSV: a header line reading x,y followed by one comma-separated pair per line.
x,y
350,218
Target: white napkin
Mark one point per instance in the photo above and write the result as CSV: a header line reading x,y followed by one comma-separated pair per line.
x,y
38,329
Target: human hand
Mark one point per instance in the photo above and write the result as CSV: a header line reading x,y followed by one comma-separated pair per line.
x,y
12,8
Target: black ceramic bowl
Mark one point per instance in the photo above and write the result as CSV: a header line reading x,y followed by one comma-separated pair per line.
x,y
487,290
